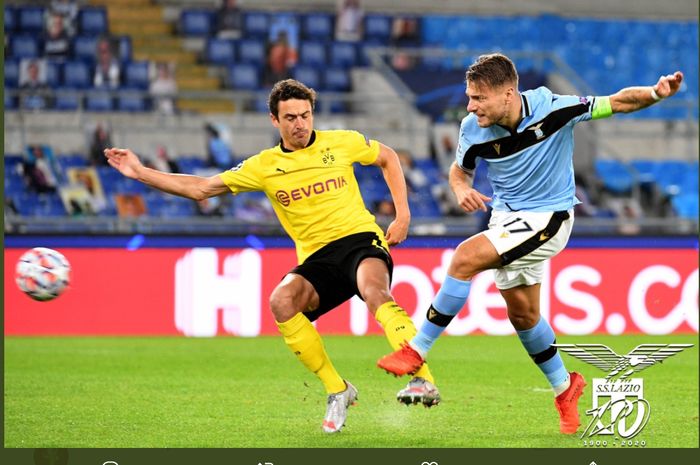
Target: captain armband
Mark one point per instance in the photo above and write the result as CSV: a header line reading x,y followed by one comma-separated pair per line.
x,y
601,108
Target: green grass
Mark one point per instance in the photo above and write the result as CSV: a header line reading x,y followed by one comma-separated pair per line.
x,y
241,393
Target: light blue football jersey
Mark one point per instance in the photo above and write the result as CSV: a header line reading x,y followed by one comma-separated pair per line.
x,y
530,169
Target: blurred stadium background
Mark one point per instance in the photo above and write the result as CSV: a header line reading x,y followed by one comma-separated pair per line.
x,y
184,85
398,78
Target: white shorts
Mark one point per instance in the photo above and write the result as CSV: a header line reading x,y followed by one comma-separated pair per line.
x,y
524,240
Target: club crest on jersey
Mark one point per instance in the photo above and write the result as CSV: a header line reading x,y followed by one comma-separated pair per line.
x,y
538,132
327,157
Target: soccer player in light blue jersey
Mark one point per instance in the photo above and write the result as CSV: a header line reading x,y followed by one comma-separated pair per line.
x,y
526,139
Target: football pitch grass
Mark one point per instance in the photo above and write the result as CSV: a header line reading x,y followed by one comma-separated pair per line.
x,y
233,392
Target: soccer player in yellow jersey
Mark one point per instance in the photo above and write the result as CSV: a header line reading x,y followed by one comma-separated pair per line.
x,y
308,177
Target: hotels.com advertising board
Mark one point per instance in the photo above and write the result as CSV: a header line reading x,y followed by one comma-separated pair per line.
x,y
204,292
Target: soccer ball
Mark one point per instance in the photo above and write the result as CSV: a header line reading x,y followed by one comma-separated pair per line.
x,y
42,274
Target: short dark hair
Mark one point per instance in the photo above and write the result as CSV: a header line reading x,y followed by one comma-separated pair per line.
x,y
494,70
289,89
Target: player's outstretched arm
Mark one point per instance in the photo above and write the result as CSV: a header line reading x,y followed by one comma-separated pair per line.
x,y
468,198
184,185
388,161
632,99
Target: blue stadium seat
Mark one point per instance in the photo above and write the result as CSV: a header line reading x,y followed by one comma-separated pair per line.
x,y
125,185
244,76
109,178
76,75
317,26
14,184
686,205
54,73
251,51
125,48
27,203
93,21
34,102
132,101
156,203
190,164
30,19
10,20
11,73
195,22
71,161
616,176
136,75
378,27
343,54
429,168
220,51
85,48
24,46
313,54
337,79
669,175
309,75
51,206
66,99
99,101
256,24
10,100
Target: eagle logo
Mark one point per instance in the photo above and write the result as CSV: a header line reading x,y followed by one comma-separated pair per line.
x,y
622,366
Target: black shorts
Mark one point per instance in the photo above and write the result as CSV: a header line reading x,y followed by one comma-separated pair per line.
x,y
332,270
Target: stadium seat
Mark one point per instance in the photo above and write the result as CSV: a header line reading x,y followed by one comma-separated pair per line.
x,y
244,76
99,101
251,51
343,54
378,28
54,73
93,21
256,25
27,203
10,100
686,205
85,48
309,75
195,22
14,184
220,51
30,19
337,79
76,75
132,101
66,99
24,46
616,176
34,102
317,26
136,75
313,54
125,49
10,20
71,161
11,73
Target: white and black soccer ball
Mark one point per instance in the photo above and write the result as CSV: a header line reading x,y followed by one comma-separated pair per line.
x,y
43,274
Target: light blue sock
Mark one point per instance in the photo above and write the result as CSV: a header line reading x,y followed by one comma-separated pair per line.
x,y
448,302
538,342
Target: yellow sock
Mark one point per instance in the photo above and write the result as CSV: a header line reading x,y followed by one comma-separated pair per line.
x,y
399,328
302,338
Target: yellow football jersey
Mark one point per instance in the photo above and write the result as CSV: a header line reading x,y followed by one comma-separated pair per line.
x,y
313,190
